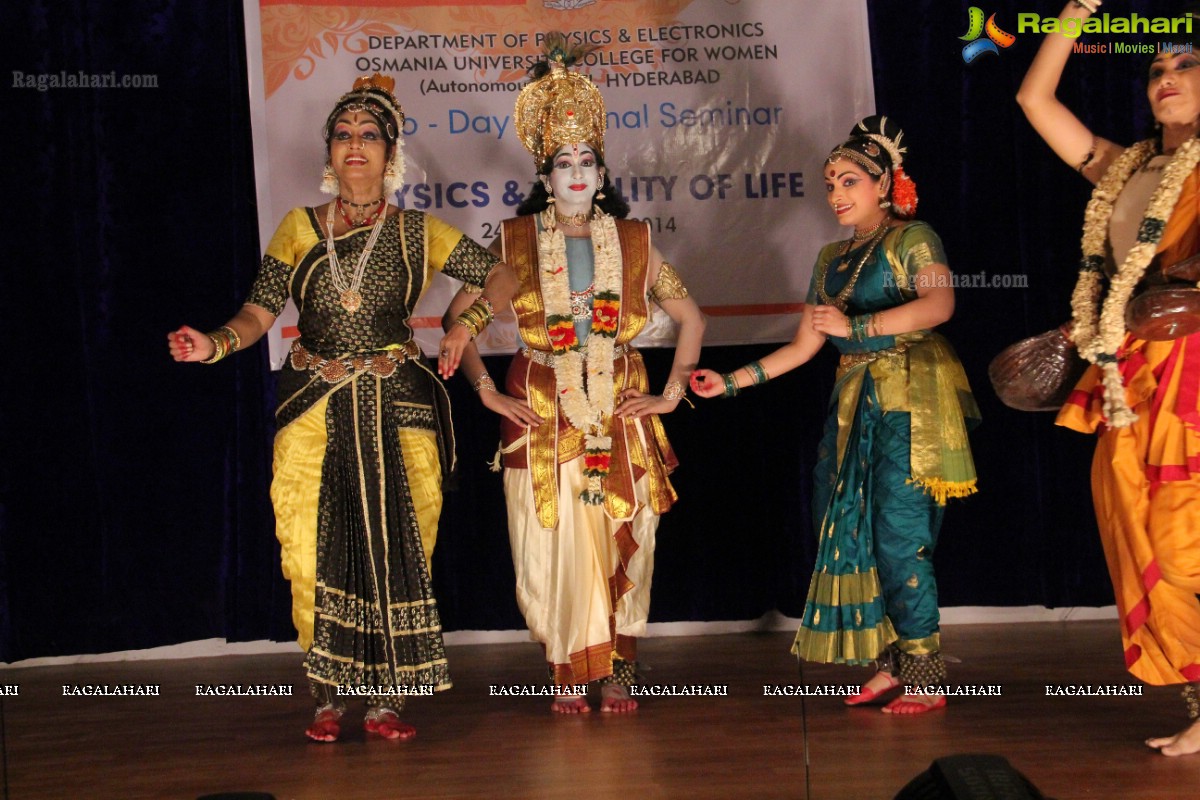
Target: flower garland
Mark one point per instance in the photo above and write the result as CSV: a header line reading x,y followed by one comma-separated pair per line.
x,y
1099,339
586,403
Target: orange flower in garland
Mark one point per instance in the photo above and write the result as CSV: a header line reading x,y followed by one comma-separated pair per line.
x,y
562,333
597,461
606,313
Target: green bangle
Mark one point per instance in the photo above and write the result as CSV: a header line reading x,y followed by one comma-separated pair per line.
x,y
859,326
731,387
757,373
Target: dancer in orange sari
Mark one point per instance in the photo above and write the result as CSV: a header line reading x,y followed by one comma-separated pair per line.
x,y
1141,397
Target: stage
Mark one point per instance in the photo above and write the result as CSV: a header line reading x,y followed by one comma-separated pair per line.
x,y
479,740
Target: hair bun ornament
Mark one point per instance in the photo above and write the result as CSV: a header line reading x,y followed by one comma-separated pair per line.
x,y
887,133
374,94
559,106
379,81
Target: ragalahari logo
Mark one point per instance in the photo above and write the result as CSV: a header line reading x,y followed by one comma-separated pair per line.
x,y
976,27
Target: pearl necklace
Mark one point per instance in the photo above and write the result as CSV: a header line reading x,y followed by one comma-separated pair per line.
x,y
348,291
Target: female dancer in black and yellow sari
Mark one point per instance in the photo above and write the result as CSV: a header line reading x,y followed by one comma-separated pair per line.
x,y
895,443
364,433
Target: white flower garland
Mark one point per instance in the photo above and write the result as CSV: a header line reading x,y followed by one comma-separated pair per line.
x,y
1098,342
585,403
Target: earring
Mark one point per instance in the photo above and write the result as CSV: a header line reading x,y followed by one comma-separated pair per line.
x,y
329,181
550,195
884,203
600,188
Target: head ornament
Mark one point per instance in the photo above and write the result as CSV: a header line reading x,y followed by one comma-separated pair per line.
x,y
372,94
875,145
559,106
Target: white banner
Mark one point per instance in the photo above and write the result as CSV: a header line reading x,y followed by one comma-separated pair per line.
x,y
720,113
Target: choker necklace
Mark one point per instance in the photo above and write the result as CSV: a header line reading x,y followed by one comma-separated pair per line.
x,y
353,204
360,216
862,237
574,220
348,291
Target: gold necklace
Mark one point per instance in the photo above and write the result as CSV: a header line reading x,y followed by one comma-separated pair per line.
x,y
348,291
841,299
574,220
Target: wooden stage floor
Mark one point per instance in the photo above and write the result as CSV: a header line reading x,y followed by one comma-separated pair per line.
x,y
473,744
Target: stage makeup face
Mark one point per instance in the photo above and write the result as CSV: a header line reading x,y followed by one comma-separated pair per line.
x,y
574,177
852,194
357,148
1174,88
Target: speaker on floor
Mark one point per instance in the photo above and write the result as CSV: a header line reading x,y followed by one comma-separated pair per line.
x,y
970,777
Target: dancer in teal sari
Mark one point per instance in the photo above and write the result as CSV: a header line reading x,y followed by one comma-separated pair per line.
x,y
895,442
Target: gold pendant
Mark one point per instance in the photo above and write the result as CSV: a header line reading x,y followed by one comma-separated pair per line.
x,y
351,300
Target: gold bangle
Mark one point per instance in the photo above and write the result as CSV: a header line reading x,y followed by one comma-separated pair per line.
x,y
235,341
674,390
220,348
476,316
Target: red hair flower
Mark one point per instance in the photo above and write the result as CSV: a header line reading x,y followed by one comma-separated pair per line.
x,y
904,194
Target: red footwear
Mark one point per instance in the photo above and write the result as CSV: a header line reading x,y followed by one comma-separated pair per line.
x,y
325,727
903,706
871,695
386,724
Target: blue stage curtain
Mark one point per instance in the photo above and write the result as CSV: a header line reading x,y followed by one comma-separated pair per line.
x,y
135,511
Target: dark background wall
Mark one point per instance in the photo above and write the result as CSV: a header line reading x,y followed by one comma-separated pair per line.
x,y
133,492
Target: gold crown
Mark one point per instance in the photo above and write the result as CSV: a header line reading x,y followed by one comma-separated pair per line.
x,y
562,107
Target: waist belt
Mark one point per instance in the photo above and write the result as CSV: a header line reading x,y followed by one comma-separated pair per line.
x,y
850,360
548,359
333,370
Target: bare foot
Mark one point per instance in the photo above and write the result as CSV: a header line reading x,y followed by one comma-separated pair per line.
x,y
615,698
570,704
915,704
386,723
325,727
881,683
1183,743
